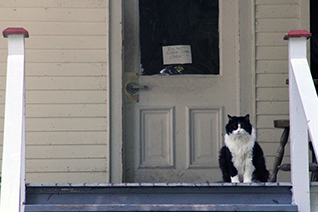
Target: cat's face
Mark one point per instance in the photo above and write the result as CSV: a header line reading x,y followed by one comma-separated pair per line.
x,y
238,125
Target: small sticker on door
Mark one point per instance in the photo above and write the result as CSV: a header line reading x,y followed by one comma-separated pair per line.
x,y
179,54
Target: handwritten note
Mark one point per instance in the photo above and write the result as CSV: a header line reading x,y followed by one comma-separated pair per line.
x,y
180,54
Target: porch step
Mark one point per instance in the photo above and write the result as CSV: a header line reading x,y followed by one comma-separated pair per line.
x,y
159,197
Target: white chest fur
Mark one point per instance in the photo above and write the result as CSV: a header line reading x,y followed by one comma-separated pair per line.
x,y
241,143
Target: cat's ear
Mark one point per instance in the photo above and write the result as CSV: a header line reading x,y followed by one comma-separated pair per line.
x,y
230,117
247,117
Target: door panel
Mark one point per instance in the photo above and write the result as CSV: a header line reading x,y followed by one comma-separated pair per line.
x,y
204,136
175,131
156,137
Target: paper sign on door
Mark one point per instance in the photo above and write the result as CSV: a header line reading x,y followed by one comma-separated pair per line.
x,y
180,54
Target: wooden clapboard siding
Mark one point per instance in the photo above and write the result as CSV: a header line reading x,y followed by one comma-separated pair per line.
x,y
266,121
273,19
271,53
277,11
279,25
269,135
68,176
67,90
54,14
66,124
272,108
65,110
275,2
80,152
276,94
68,42
54,4
61,83
270,39
60,138
67,138
271,66
65,165
268,146
62,69
271,80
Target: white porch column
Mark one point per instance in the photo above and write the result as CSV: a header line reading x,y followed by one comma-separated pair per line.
x,y
298,125
13,158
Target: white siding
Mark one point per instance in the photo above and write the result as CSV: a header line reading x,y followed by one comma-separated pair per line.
x,y
273,20
67,89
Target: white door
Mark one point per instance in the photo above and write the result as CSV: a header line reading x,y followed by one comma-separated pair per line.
x,y
175,130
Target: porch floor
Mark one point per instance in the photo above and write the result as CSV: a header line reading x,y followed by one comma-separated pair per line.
x,y
160,197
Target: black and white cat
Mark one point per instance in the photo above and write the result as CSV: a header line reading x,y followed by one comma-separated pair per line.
x,y
242,158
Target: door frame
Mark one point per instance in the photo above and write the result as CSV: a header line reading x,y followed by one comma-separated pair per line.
x,y
115,91
245,76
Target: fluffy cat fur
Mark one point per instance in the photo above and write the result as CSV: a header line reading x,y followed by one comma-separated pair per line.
x,y
242,158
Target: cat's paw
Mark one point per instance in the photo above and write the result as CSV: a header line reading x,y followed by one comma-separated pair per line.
x,y
235,179
247,177
247,180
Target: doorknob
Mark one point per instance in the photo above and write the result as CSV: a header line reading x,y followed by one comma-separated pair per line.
x,y
133,87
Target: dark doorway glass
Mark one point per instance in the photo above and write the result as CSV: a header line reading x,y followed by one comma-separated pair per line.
x,y
314,39
179,22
